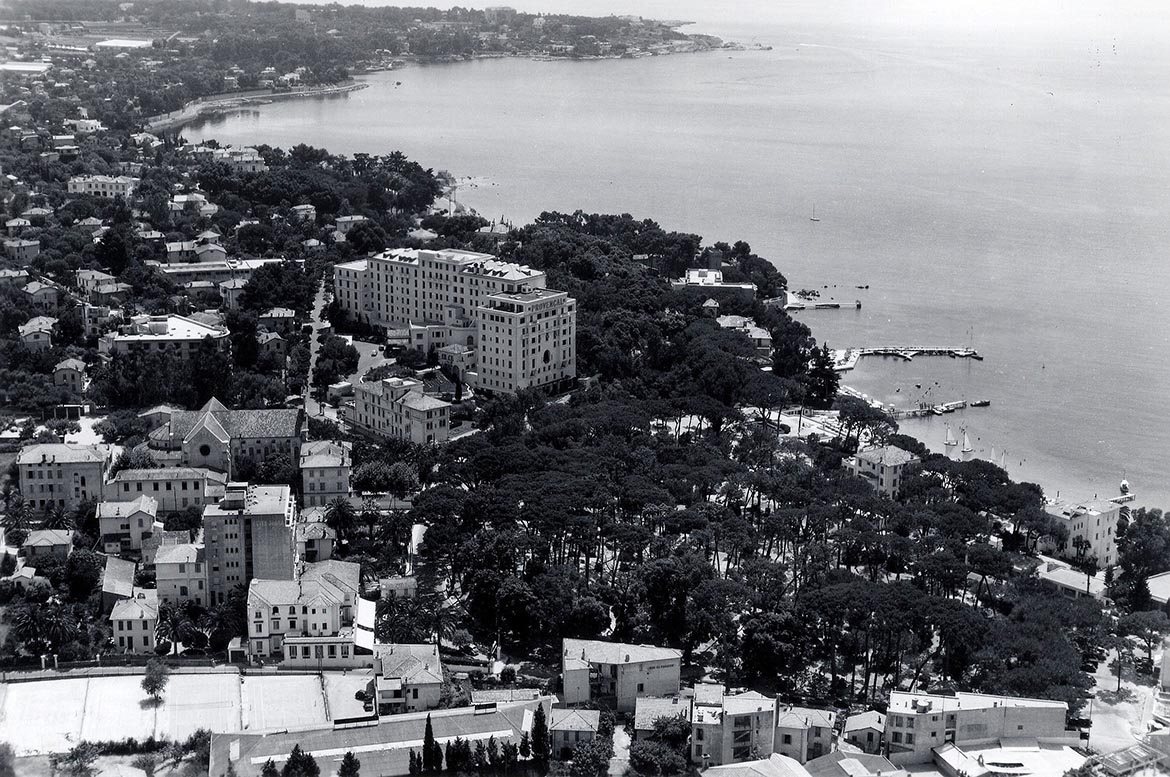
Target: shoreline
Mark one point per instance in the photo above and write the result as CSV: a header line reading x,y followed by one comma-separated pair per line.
x,y
202,107
213,105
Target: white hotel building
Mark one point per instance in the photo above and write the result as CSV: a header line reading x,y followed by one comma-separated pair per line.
x,y
523,333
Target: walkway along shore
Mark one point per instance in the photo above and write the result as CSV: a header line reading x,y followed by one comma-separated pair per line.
x,y
205,106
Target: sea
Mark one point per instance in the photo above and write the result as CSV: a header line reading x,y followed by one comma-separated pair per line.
x,y
992,175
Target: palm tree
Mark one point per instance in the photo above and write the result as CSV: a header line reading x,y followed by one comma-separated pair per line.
x,y
339,515
16,513
174,625
57,517
43,627
221,623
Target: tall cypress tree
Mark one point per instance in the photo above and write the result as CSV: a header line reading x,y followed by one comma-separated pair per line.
x,y
540,743
428,748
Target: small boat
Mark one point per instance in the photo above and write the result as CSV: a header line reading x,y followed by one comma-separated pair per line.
x,y
813,217
967,443
951,441
936,410
981,403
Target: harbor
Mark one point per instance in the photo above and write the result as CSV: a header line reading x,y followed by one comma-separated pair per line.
x,y
846,359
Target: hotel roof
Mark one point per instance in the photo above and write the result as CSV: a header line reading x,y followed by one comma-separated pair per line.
x,y
803,717
135,610
871,719
187,553
118,577
61,453
574,720
648,709
889,455
579,653
905,701
775,765
48,538
111,509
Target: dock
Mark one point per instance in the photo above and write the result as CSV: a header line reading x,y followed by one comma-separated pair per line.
x,y
923,409
846,359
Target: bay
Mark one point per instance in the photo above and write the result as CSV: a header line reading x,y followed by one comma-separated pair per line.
x,y
998,179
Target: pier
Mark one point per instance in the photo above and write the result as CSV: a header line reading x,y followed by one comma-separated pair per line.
x,y
923,409
845,360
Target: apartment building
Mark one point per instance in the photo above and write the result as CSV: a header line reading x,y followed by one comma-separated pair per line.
x,y
409,678
103,185
804,733
441,298
21,250
248,535
324,472
916,723
181,574
306,622
173,488
726,728
526,340
866,731
215,437
134,622
62,474
125,524
397,409
179,334
612,671
884,467
1091,525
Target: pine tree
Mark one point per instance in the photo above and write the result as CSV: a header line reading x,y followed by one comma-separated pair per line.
x,y
415,767
428,748
350,766
481,759
300,764
525,746
493,753
451,765
437,757
540,743
269,769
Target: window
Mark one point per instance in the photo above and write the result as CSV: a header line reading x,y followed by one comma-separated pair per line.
x,y
414,693
641,687
896,737
788,739
909,738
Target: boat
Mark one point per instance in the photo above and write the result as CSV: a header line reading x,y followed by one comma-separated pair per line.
x,y
981,403
936,410
967,443
813,217
951,441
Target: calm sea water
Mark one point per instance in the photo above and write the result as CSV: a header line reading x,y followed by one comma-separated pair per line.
x,y
997,179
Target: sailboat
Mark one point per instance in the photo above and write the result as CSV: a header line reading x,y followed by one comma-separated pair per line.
x,y
966,442
813,217
951,441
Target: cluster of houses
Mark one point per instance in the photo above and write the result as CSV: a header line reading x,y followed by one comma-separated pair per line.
x,y
732,733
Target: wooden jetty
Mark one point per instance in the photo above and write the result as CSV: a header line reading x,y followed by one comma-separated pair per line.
x,y
845,360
